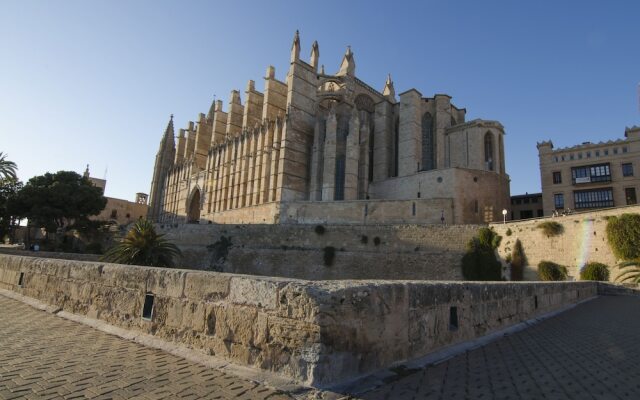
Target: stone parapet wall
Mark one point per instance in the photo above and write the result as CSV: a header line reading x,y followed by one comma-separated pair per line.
x,y
298,250
584,239
318,333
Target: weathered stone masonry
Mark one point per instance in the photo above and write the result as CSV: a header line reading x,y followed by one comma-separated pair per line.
x,y
319,333
330,139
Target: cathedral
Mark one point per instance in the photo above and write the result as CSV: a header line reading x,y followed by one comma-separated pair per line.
x,y
329,148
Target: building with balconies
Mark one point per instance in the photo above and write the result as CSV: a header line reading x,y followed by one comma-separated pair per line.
x,y
590,175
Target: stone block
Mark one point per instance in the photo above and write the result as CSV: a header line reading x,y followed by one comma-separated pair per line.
x,y
262,293
206,286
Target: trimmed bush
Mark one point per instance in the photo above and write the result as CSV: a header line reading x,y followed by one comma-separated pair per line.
x,y
623,234
518,261
480,262
329,255
94,248
550,271
595,271
551,228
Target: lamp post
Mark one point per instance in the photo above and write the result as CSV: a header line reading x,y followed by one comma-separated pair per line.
x,y
504,216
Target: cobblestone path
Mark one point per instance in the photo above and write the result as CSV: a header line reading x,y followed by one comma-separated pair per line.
x,y
589,352
43,356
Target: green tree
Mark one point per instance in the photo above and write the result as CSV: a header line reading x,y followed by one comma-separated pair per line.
x,y
7,168
143,246
57,200
479,262
8,189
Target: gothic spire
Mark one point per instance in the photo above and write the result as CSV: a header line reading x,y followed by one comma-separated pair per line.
x,y
295,47
212,109
315,55
389,91
348,65
167,140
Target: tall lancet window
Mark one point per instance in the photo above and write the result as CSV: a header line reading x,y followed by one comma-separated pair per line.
x,y
428,143
488,151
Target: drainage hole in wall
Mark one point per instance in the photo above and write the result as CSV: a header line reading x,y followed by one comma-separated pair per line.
x,y
535,301
453,318
147,309
21,280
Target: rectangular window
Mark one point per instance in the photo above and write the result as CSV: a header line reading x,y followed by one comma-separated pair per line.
x,y
580,156
615,150
534,200
596,198
557,177
540,213
588,154
525,201
558,201
624,149
630,195
606,152
597,153
562,158
571,157
591,173
526,214
518,201
627,169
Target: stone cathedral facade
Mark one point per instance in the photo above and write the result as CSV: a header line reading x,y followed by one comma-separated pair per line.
x,y
321,147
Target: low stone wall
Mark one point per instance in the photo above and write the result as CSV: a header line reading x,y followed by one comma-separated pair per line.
x,y
584,239
298,250
50,254
363,212
319,333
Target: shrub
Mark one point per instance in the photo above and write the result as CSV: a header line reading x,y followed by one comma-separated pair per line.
x,y
376,241
508,232
319,229
594,271
551,228
94,248
550,271
480,262
329,255
518,261
623,234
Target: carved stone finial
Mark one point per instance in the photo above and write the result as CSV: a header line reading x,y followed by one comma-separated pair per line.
x,y
348,65
315,55
295,47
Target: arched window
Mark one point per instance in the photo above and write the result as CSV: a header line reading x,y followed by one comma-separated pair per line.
x,y
428,143
488,150
501,153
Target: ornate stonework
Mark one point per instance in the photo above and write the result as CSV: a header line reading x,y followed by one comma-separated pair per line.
x,y
333,139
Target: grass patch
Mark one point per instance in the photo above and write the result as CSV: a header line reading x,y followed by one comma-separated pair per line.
x,y
551,228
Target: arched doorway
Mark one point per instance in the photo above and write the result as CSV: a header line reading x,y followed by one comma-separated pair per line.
x,y
193,215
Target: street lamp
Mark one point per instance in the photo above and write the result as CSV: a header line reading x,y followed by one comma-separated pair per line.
x,y
504,216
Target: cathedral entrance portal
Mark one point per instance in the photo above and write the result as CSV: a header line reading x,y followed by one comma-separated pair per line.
x,y
194,208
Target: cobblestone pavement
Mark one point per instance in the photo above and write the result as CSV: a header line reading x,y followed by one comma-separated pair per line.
x,y
43,356
589,352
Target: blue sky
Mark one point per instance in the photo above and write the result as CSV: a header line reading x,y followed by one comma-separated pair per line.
x,y
94,82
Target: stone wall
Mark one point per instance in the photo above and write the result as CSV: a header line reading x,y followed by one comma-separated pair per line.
x,y
318,333
298,251
584,239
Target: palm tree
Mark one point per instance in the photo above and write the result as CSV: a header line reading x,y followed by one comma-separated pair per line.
x,y
632,273
7,168
143,246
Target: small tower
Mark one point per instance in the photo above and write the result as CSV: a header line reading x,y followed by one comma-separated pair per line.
x,y
164,161
295,48
389,91
348,65
315,55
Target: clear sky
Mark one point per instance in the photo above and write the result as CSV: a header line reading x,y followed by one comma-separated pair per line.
x,y
94,82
